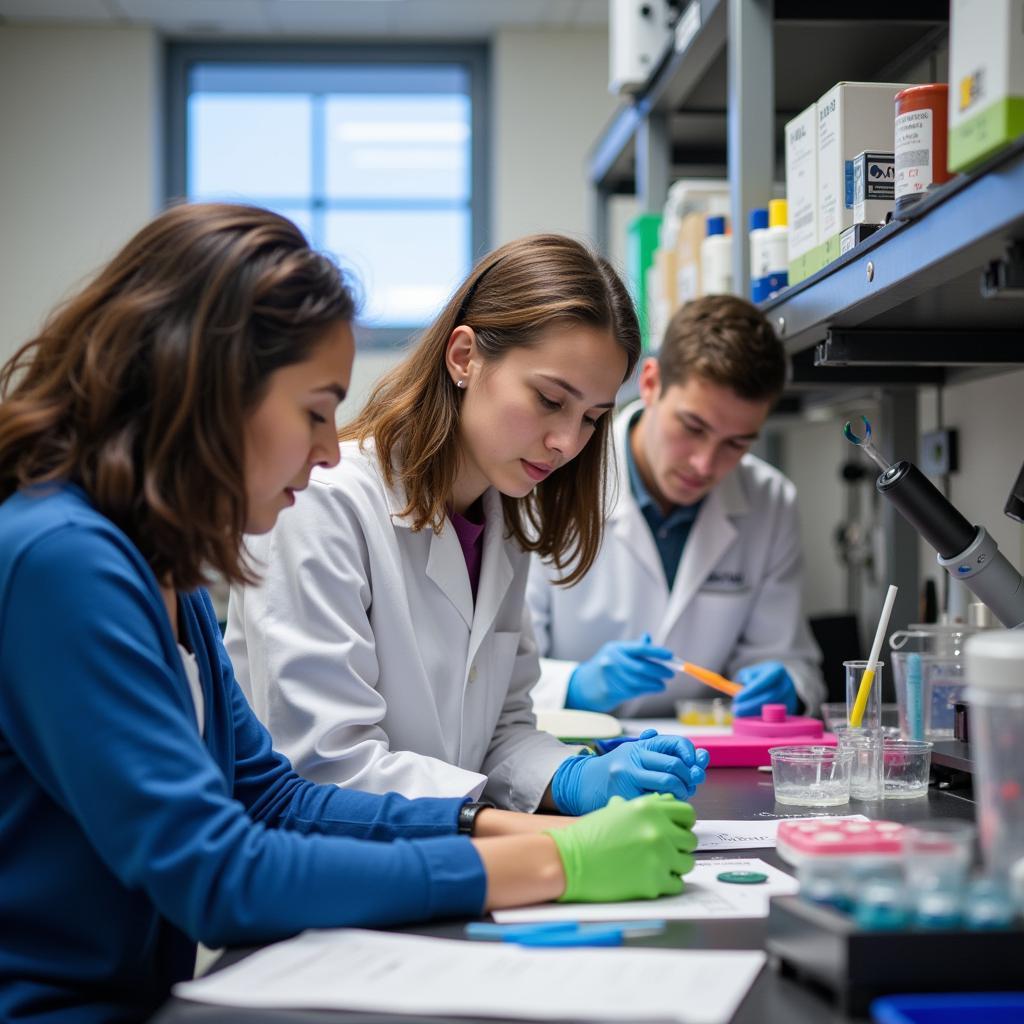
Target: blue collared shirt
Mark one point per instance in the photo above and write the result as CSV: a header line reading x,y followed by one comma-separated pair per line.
x,y
670,531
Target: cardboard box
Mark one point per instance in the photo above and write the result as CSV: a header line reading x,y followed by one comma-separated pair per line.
x,y
692,230
802,194
853,117
986,78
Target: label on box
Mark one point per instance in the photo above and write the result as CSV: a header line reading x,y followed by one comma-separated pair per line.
x,y
874,177
913,152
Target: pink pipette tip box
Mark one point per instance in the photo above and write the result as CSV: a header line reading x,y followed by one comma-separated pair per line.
x,y
830,837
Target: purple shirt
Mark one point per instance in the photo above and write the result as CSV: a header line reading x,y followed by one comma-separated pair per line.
x,y
471,539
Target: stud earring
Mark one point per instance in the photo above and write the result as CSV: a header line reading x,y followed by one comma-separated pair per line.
x,y
460,384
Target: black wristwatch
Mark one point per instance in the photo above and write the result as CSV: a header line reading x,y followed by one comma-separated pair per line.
x,y
467,815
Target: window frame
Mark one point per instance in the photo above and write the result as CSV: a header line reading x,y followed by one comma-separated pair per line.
x,y
180,55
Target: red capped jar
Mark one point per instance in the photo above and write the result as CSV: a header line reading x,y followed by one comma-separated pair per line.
x,y
920,141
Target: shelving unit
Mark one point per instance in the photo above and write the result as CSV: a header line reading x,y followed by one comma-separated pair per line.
x,y
935,298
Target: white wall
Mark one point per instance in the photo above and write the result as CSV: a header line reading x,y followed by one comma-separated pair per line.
x,y
550,99
80,152
79,160
987,414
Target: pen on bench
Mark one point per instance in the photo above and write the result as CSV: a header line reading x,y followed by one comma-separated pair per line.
x,y
565,933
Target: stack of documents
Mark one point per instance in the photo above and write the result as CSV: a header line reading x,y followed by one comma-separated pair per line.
x,y
380,972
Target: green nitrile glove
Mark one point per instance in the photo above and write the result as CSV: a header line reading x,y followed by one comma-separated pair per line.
x,y
628,850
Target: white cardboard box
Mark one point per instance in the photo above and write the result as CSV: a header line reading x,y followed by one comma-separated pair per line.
x,y
802,194
986,78
852,117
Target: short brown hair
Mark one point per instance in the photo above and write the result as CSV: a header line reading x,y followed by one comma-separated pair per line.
x,y
137,388
511,296
727,341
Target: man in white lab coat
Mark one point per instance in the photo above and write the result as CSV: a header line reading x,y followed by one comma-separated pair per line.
x,y
701,555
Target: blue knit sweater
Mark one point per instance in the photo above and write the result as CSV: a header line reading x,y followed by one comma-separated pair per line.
x,y
125,836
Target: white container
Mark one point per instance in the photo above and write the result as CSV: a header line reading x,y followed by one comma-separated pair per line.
x,y
638,34
769,251
986,78
759,258
716,259
852,117
995,673
802,194
690,195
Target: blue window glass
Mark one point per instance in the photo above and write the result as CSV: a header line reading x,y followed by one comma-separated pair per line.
x,y
373,162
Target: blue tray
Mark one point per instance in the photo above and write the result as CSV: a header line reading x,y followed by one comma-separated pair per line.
x,y
958,1008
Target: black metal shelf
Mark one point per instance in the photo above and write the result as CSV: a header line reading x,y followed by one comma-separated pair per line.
x,y
815,45
910,298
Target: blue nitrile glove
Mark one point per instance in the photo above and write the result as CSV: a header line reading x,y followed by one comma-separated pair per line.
x,y
621,669
653,764
767,682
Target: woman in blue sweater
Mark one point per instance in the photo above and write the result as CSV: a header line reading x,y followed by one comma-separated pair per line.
x,y
181,400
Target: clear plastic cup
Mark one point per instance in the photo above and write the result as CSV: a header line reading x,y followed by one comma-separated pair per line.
x,y
906,768
810,776
995,666
938,854
865,747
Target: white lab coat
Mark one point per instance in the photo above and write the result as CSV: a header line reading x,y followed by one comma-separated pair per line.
x,y
365,657
736,598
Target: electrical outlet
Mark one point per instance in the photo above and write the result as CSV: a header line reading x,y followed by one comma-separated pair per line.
x,y
938,452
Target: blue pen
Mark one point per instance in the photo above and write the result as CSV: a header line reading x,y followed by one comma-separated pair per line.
x,y
564,933
591,937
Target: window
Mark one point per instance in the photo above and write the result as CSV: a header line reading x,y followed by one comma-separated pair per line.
x,y
375,154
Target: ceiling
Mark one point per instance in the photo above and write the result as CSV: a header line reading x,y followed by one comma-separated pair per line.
x,y
421,19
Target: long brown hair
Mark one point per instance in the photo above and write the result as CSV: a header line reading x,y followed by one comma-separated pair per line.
x,y
511,296
137,388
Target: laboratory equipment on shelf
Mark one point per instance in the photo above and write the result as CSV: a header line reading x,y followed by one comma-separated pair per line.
x,y
966,552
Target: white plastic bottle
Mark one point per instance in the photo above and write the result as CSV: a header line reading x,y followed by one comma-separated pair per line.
x,y
759,260
716,259
769,251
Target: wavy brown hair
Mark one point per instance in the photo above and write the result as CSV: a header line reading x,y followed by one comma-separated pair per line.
x,y
137,388
512,295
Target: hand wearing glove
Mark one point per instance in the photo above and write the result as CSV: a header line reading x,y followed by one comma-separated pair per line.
x,y
767,682
635,849
621,669
651,764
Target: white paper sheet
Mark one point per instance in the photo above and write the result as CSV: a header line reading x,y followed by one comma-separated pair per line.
x,y
382,973
703,897
749,835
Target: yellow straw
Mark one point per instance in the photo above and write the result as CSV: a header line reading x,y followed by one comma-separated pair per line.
x,y
864,690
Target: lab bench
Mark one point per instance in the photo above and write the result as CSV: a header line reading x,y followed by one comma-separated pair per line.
x,y
728,794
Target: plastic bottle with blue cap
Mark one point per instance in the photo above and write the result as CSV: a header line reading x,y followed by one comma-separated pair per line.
x,y
716,259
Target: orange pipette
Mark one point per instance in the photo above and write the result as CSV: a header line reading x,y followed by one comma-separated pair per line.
x,y
706,676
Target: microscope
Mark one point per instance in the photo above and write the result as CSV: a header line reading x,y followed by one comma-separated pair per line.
x,y
966,552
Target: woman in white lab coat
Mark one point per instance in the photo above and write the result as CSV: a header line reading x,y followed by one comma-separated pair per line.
x,y
389,647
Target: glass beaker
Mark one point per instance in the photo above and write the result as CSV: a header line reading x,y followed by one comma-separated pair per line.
x,y
864,742
928,675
